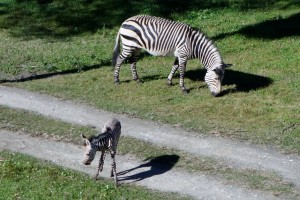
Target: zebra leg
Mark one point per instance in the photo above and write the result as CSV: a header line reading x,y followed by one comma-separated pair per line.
x,y
174,69
120,60
113,172
100,165
125,54
132,61
182,65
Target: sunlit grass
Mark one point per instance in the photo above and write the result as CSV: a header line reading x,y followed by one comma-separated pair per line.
x,y
23,177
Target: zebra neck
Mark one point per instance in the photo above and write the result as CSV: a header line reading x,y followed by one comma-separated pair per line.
x,y
205,50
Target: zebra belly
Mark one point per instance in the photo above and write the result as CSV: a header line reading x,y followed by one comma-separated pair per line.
x,y
161,53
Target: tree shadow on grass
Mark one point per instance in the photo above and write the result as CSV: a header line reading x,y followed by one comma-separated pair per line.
x,y
157,165
244,82
274,29
64,18
35,76
269,29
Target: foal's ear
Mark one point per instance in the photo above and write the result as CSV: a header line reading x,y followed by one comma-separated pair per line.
x,y
227,65
86,141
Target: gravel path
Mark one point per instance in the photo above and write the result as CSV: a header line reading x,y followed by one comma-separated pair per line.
x,y
236,154
194,185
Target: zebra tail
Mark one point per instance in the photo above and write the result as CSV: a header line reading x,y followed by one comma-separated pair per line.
x,y
116,50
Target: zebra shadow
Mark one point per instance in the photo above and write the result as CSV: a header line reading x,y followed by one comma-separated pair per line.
x,y
154,166
244,82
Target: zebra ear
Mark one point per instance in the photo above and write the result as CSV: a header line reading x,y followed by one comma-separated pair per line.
x,y
86,142
227,65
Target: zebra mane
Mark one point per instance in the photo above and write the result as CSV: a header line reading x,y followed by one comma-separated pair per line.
x,y
103,133
97,137
213,50
91,138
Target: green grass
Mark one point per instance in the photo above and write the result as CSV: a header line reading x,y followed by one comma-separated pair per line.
x,y
261,91
40,126
23,177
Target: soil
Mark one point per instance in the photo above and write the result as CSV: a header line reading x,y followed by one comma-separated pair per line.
x,y
147,173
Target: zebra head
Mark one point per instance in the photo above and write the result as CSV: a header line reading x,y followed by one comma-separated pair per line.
x,y
90,150
214,78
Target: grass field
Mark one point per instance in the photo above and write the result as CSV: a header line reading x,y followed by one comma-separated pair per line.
x,y
23,177
260,102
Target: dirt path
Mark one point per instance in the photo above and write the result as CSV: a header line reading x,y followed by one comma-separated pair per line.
x,y
236,154
145,174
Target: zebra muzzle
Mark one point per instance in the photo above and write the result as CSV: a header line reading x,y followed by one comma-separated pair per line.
x,y
215,94
86,162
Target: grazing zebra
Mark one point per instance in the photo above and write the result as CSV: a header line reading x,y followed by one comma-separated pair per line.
x,y
105,141
162,37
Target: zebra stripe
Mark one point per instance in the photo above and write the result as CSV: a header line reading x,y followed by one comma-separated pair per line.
x,y
162,37
103,142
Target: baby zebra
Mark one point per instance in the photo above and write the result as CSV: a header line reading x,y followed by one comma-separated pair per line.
x,y
105,141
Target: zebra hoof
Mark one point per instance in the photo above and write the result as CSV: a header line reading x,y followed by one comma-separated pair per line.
x,y
117,82
138,81
185,91
169,83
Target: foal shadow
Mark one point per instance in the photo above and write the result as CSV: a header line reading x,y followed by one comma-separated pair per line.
x,y
157,165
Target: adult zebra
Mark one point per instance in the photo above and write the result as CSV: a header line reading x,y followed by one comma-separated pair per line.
x,y
162,37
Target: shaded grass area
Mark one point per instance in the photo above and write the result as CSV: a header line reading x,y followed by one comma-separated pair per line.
x,y
23,177
62,18
35,125
270,29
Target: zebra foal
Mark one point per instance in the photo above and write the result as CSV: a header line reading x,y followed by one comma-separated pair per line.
x,y
162,37
106,141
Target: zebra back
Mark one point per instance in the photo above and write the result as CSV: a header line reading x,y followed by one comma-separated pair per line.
x,y
111,130
156,35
